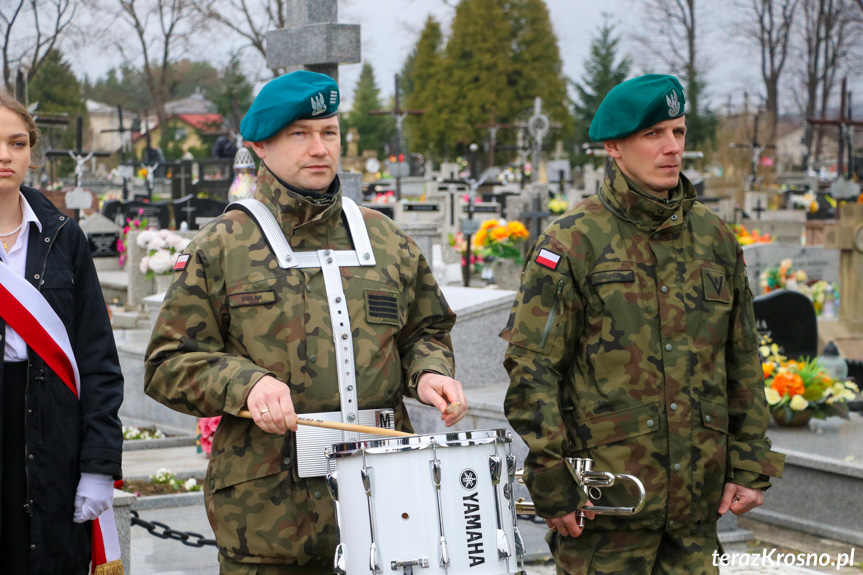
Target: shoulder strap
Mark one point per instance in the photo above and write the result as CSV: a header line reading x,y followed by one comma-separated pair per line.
x,y
269,227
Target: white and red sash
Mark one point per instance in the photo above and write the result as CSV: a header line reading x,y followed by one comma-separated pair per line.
x,y
25,310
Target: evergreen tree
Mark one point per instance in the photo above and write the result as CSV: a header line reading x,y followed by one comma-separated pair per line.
x,y
58,91
602,72
422,83
124,86
538,66
479,72
374,131
234,95
55,86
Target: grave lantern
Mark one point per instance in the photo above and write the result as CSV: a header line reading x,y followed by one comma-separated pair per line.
x,y
245,182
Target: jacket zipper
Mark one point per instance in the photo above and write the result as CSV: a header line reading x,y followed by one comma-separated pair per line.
x,y
552,315
27,506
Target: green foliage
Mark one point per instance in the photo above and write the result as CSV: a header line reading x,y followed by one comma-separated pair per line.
x,y
422,82
602,72
479,72
374,131
58,91
234,94
538,66
500,56
123,86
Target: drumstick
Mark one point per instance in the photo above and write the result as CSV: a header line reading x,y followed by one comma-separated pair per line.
x,y
340,426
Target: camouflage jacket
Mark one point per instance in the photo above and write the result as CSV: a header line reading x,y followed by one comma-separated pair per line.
x,y
232,316
632,341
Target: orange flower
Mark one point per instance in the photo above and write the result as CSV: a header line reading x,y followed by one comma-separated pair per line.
x,y
788,382
479,238
488,224
499,233
768,369
517,230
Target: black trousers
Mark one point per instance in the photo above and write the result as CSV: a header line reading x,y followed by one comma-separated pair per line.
x,y
14,520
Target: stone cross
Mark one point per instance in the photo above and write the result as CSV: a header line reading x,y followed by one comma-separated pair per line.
x,y
847,236
316,42
538,126
533,218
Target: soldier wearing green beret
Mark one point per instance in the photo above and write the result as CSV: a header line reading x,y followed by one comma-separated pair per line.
x,y
632,342
250,324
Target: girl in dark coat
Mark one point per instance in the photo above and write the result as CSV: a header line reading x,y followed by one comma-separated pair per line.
x,y
60,452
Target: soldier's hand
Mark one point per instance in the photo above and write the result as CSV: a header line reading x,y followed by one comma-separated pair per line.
x,y
271,406
739,499
568,524
442,392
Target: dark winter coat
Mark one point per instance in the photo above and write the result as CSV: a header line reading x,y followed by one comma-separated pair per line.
x,y
65,436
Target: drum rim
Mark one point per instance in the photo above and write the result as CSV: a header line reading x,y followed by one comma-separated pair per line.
x,y
419,442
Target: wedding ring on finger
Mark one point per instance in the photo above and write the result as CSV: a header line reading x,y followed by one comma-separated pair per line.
x,y
736,499
265,410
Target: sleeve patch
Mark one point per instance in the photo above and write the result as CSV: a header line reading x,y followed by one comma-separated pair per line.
x,y
548,259
182,262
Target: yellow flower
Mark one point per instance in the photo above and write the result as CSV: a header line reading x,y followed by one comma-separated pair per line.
x,y
488,224
773,396
479,238
517,230
797,403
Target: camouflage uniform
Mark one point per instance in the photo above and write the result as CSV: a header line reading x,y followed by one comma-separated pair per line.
x,y
638,350
233,316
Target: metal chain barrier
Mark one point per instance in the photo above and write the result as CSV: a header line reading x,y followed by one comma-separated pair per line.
x,y
185,537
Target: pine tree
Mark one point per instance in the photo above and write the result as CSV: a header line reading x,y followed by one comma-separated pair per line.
x,y
478,71
374,131
234,96
602,72
538,66
421,84
58,91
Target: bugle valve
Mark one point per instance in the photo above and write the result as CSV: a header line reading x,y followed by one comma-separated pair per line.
x,y
592,482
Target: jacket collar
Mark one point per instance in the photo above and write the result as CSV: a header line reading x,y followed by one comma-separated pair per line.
x,y
294,208
626,200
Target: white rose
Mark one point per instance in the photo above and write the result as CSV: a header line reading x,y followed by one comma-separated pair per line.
x,y
144,266
797,403
145,237
156,243
772,396
162,261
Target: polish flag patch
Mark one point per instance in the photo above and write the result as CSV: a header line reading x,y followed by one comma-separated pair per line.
x,y
182,262
548,259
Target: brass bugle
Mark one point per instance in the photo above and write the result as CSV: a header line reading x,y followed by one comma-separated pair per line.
x,y
592,482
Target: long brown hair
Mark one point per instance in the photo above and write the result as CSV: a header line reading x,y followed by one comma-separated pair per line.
x,y
9,102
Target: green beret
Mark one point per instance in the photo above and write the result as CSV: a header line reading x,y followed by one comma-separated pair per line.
x,y
286,99
637,104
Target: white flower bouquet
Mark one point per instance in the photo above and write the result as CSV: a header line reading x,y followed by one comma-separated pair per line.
x,y
162,248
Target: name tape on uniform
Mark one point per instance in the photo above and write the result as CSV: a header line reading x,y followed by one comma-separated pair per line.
x,y
548,259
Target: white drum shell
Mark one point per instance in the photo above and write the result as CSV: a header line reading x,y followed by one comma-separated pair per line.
x,y
405,509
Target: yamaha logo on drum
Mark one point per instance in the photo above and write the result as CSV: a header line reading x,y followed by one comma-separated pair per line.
x,y
468,479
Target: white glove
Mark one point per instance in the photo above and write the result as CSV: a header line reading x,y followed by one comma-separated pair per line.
x,y
95,494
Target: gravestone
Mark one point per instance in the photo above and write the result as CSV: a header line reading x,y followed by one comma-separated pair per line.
x,y
788,318
555,168
449,170
197,212
102,236
818,262
157,213
415,212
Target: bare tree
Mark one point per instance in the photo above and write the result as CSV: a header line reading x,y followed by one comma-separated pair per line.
x,y
830,31
771,32
30,30
249,19
162,28
672,36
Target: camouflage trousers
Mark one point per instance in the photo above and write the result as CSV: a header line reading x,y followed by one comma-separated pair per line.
x,y
684,551
231,567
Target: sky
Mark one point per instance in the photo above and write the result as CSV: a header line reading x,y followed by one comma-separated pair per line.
x,y
390,29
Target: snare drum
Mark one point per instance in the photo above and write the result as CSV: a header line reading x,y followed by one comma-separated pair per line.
x,y
426,504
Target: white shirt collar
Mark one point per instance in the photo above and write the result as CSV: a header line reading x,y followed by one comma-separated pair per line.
x,y
29,214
